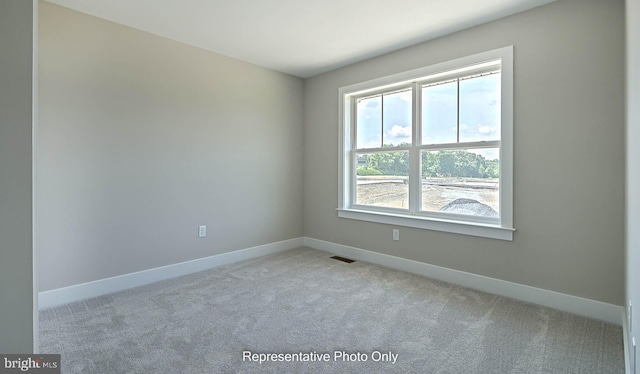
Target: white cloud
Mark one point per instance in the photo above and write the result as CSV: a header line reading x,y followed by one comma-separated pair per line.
x,y
400,132
486,130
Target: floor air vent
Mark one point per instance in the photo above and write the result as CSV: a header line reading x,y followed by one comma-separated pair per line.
x,y
347,260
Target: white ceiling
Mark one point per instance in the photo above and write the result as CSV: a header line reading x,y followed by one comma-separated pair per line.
x,y
301,37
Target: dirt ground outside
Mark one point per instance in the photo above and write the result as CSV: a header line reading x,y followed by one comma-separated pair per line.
x,y
392,191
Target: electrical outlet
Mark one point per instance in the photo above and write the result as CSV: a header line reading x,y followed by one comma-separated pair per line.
x,y
202,231
396,234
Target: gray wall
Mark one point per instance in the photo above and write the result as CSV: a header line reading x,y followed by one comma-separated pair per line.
x,y
142,139
16,131
568,161
633,169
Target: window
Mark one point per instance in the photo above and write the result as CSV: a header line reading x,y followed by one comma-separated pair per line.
x,y
432,148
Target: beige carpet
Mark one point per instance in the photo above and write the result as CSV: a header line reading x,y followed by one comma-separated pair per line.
x,y
304,307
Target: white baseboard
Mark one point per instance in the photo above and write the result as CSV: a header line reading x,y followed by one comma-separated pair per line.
x,y
60,296
585,307
577,305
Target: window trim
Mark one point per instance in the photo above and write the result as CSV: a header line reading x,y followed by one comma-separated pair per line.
x,y
502,229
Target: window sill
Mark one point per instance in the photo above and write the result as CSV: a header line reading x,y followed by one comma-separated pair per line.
x,y
428,223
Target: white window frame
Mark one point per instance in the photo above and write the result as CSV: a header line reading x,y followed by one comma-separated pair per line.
x,y
501,228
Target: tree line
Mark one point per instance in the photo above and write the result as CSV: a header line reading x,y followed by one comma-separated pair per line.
x,y
449,163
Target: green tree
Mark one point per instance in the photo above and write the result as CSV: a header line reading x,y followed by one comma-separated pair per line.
x,y
492,169
363,170
458,163
390,163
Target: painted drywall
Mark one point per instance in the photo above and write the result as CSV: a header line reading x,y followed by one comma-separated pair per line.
x,y
142,139
16,208
633,172
568,153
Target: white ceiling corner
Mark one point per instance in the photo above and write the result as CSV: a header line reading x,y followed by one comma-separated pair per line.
x,y
301,37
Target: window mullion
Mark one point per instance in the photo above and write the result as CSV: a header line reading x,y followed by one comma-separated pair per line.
x,y
415,175
417,114
353,180
463,145
382,121
458,110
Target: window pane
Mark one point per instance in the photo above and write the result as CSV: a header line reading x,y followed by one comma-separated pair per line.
x,y
397,114
440,114
382,179
369,122
480,108
461,182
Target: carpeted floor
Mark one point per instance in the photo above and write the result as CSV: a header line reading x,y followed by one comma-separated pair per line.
x,y
303,303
